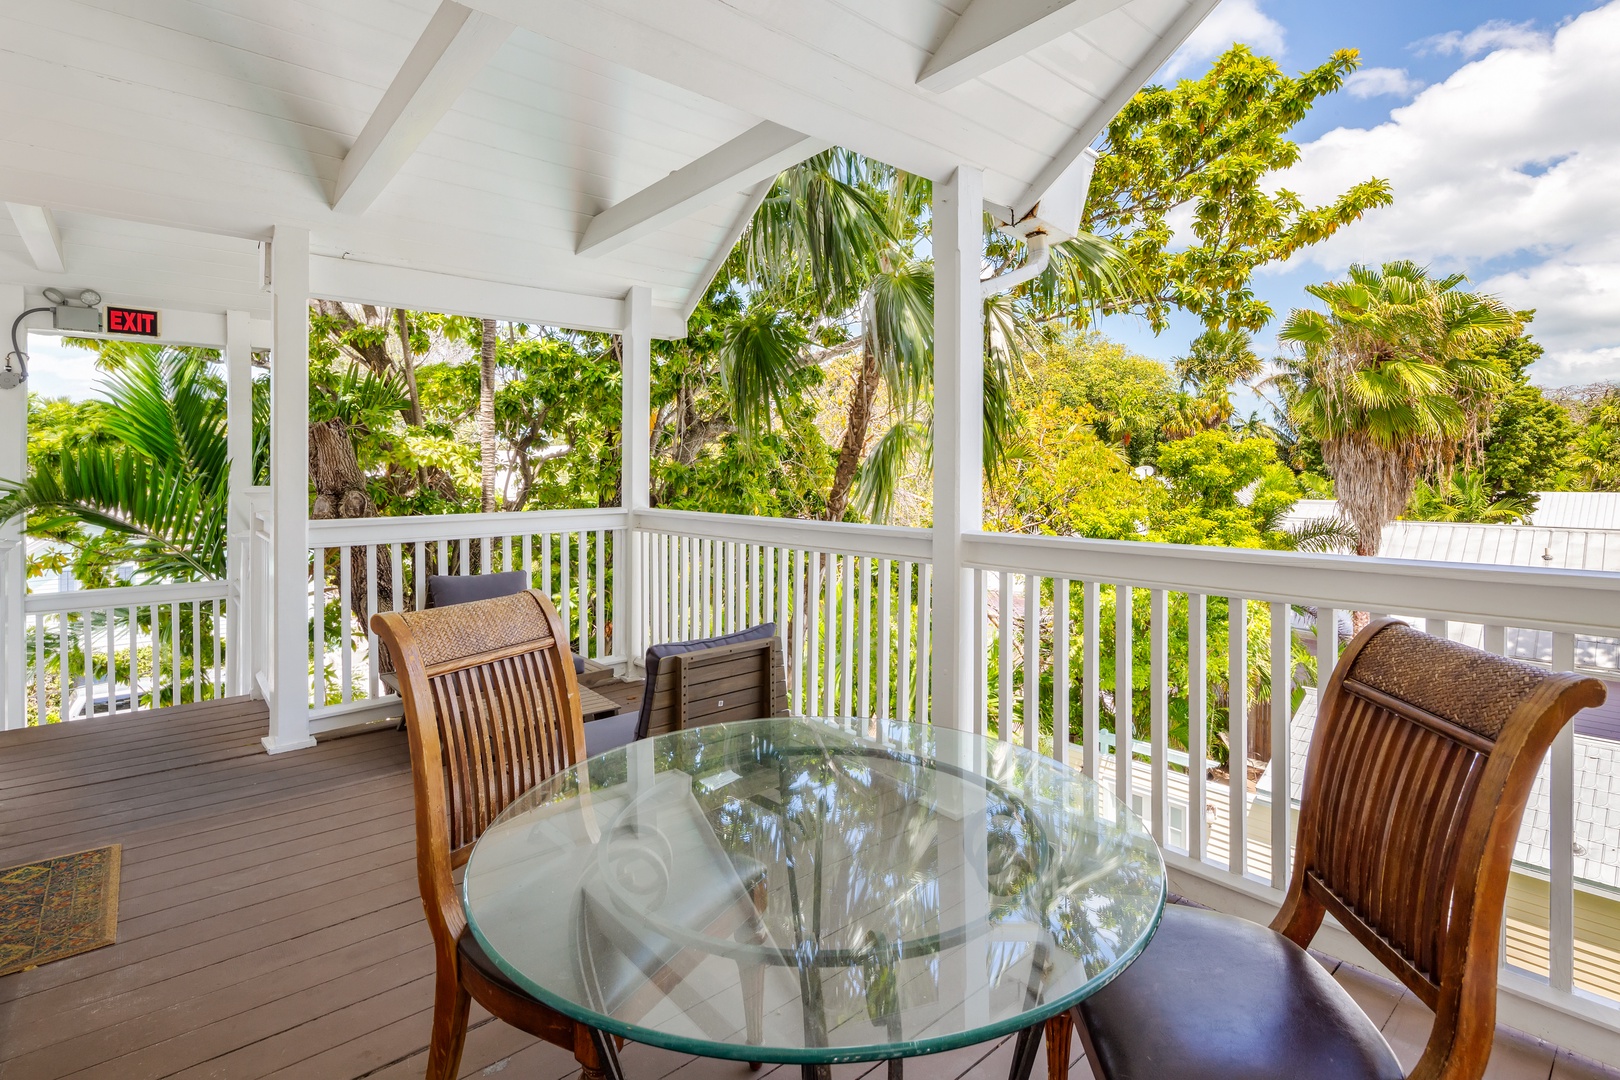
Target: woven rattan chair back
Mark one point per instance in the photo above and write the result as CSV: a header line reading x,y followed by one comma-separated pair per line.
x,y
492,707
744,681
1420,766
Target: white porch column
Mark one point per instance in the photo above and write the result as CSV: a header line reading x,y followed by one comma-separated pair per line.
x,y
635,478
289,499
239,444
13,566
958,434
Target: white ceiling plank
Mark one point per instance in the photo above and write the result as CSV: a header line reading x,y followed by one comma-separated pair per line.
x,y
455,47
37,227
755,156
991,32
1162,49
750,207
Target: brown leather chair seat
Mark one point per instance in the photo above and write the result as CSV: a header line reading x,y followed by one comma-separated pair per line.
x,y
1214,997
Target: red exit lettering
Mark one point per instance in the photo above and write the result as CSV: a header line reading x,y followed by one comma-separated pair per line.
x,y
132,321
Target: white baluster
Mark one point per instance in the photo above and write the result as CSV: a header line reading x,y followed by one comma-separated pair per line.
x,y
1282,701
1159,711
1124,732
925,630
1197,721
1004,689
1561,838
1090,678
1237,731
1032,662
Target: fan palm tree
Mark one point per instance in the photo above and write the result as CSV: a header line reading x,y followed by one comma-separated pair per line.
x,y
159,483
1393,382
1466,497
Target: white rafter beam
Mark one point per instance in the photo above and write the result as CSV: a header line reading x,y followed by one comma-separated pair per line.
x,y
37,226
757,155
454,48
1172,39
991,32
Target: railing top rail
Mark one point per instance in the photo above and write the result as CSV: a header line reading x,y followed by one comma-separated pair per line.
x,y
122,597
875,541
1582,601
337,532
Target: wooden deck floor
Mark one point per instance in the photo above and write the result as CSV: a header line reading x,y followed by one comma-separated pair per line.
x,y
269,924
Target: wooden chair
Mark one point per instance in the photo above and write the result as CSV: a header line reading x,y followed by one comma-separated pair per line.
x,y
1420,766
691,683
492,708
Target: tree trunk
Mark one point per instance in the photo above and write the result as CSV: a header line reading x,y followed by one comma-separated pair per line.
x,y
408,365
486,415
853,447
340,492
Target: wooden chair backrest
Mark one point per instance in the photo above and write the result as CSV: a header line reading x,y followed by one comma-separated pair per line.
x,y
1420,766
492,709
744,681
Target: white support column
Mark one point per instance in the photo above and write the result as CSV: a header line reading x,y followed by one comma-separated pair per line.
x,y
239,444
635,477
958,434
13,565
289,499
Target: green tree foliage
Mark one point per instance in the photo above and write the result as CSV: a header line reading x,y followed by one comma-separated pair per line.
x,y
149,475
1528,446
1213,146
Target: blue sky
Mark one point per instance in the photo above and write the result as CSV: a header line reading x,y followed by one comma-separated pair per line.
x,y
1496,122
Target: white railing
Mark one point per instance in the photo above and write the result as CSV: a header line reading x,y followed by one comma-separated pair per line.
x,y
852,603
1217,629
103,652
382,564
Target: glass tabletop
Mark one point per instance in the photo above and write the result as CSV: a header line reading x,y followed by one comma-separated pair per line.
x,y
812,891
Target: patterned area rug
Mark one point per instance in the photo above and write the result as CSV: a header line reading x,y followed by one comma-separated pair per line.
x,y
58,907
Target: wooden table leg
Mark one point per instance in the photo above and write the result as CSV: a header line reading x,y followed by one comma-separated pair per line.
x,y
1059,1043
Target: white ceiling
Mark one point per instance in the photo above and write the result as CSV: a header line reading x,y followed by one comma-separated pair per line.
x,y
227,117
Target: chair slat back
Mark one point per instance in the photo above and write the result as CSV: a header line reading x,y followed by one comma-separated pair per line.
x,y
743,681
1420,766
492,707
730,682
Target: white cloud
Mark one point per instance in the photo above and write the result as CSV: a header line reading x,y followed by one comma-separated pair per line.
x,y
1496,34
1234,21
1382,82
1506,170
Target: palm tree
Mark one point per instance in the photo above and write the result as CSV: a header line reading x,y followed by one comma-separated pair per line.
x,y
159,484
832,268
1466,497
1392,382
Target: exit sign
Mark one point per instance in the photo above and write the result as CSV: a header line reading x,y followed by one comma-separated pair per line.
x,y
123,320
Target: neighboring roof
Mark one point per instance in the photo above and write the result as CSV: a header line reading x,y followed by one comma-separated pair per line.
x,y
1577,509
1503,545
231,117
1597,800
1538,545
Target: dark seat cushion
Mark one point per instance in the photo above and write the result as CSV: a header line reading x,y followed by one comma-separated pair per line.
x,y
675,648
1214,997
610,732
447,589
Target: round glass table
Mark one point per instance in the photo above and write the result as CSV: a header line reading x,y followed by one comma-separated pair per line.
x,y
814,892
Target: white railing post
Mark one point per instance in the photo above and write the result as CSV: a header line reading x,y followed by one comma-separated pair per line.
x,y
958,243
13,560
289,482
635,477
239,443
